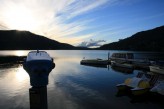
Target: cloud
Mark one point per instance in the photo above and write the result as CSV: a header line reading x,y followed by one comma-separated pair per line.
x,y
55,19
82,6
92,43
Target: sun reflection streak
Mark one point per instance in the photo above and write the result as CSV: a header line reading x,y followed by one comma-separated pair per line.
x,y
20,53
21,74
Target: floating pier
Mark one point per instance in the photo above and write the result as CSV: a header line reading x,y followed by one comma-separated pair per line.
x,y
95,61
124,60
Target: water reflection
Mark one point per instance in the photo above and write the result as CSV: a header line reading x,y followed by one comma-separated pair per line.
x,y
146,98
21,75
20,53
14,83
14,52
13,80
122,70
94,65
71,85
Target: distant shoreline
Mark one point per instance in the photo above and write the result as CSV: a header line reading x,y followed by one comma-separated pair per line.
x,y
150,40
8,61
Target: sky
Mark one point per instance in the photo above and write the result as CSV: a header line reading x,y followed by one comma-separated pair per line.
x,y
88,23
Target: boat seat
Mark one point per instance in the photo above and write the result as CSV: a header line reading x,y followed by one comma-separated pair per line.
x,y
127,81
140,74
144,84
154,80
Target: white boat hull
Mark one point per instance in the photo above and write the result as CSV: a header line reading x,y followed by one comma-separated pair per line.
x,y
157,69
124,65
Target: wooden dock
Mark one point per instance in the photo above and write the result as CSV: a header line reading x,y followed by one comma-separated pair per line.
x,y
125,60
95,61
137,64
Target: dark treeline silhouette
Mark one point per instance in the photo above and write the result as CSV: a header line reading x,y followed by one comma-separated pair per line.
x,y
150,40
24,40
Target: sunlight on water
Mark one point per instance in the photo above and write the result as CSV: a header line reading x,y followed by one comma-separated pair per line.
x,y
21,74
20,53
14,85
71,85
14,52
14,79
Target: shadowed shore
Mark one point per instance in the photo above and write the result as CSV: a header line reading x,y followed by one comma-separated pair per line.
x,y
11,61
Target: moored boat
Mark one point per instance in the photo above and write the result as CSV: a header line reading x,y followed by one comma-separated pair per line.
x,y
122,56
130,59
157,69
121,64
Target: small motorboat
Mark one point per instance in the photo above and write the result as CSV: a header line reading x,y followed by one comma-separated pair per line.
x,y
157,67
38,65
122,56
121,64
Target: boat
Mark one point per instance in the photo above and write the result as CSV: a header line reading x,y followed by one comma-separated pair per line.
x,y
140,84
94,61
121,64
158,88
129,59
141,64
122,60
122,56
157,67
38,65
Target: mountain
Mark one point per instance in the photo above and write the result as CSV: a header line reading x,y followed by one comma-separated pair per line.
x,y
24,40
150,40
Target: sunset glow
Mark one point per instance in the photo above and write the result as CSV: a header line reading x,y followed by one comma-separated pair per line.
x,y
21,74
20,18
20,53
78,21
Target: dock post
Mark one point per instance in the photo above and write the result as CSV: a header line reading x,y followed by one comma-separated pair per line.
x,y
38,98
108,56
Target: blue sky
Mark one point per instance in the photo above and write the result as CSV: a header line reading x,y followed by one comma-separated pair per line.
x,y
81,22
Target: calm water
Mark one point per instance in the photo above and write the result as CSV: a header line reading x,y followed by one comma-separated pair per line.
x,y
71,85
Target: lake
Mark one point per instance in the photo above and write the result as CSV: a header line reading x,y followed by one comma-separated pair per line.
x,y
71,85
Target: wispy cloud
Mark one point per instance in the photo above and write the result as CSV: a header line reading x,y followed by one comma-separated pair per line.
x,y
55,19
47,17
82,6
